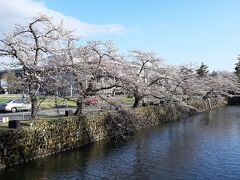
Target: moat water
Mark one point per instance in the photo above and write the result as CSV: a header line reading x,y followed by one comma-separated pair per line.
x,y
205,146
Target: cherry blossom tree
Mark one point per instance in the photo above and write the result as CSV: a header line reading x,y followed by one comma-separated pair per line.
x,y
221,84
52,62
30,46
139,73
89,65
174,83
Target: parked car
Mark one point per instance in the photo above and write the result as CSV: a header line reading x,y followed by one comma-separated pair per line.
x,y
91,100
14,105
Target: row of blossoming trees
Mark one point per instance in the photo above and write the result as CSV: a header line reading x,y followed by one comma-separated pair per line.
x,y
47,53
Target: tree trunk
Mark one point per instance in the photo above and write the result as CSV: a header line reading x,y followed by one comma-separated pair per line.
x,y
34,106
80,104
137,100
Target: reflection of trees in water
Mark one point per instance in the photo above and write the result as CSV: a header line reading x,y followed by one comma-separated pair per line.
x,y
207,117
132,162
219,119
141,150
181,142
74,162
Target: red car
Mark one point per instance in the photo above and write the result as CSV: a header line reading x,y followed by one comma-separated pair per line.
x,y
91,100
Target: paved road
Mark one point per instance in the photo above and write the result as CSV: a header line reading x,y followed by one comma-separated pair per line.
x,y
43,113
49,112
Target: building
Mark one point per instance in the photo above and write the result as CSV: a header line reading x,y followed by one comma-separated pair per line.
x,y
69,89
4,87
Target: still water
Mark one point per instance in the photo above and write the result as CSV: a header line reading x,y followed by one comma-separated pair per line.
x,y
205,146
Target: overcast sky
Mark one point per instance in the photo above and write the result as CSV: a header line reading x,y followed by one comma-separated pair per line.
x,y
180,31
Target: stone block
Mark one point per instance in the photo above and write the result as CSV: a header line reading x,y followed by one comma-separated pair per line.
x,y
68,113
14,124
5,119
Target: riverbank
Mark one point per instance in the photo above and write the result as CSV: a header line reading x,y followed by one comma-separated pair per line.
x,y
53,135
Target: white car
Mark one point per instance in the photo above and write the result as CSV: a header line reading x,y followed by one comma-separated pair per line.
x,y
14,105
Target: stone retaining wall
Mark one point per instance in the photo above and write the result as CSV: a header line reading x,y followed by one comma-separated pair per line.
x,y
49,136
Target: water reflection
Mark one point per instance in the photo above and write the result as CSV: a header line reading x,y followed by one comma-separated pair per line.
x,y
200,147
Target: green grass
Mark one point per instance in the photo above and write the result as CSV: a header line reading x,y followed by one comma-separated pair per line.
x,y
126,100
4,97
49,102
